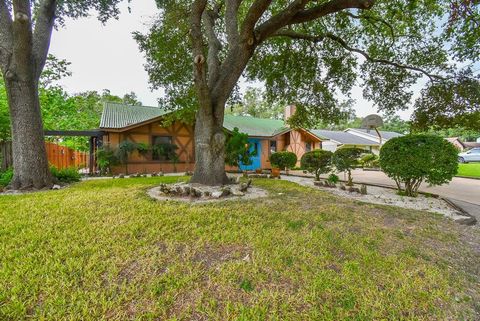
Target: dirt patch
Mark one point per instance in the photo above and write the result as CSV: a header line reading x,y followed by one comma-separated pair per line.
x,y
211,256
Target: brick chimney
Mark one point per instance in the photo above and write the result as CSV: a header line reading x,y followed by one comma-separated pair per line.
x,y
289,111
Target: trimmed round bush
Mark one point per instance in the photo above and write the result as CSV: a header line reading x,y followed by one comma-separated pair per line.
x,y
346,159
413,159
283,160
317,162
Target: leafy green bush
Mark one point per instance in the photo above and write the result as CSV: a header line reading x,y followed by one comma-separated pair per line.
x,y
413,159
106,159
369,160
6,177
283,160
317,162
66,175
346,159
332,178
236,149
143,149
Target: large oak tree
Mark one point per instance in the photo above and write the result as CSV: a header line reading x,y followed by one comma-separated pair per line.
x,y
25,31
306,52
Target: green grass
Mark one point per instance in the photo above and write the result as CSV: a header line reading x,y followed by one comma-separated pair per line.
x,y
470,170
104,250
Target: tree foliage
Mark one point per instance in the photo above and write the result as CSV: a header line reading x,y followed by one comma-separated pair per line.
x,y
320,51
449,104
255,104
347,159
317,162
283,160
237,150
413,159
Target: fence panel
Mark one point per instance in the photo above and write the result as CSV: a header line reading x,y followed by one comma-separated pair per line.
x,y
6,158
58,156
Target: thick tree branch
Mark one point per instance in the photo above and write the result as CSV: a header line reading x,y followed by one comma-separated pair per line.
x,y
343,43
231,20
330,7
279,20
198,7
22,40
5,35
296,14
214,44
254,13
43,33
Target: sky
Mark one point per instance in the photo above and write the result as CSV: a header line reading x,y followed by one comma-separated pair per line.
x,y
107,56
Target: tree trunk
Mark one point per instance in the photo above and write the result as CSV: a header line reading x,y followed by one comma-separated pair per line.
x,y
209,147
31,169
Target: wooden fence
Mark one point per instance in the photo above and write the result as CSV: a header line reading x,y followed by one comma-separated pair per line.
x,y
64,157
58,156
6,160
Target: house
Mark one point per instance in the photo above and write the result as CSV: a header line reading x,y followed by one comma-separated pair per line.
x,y
142,124
335,139
372,135
457,143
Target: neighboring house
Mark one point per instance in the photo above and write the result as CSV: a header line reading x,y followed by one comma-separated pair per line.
x,y
341,139
372,135
143,124
457,143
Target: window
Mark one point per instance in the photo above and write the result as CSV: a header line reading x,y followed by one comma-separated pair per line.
x,y
273,146
159,141
308,147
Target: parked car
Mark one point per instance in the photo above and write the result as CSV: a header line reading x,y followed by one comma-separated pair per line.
x,y
473,155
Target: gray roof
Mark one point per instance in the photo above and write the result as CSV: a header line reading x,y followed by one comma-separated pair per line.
x,y
117,115
343,138
385,134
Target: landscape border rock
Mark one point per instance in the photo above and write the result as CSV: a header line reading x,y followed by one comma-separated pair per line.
x,y
197,193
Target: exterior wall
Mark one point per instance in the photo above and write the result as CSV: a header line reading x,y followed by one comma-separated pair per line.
x,y
293,141
330,146
298,142
182,136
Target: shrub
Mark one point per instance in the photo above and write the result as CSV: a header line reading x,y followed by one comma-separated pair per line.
x,y
413,159
369,160
317,162
106,159
236,149
6,177
283,160
66,175
332,178
346,159
143,149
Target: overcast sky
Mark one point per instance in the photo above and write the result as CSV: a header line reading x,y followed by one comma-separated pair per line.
x,y
107,57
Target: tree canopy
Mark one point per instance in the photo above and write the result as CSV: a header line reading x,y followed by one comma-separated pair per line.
x,y
312,53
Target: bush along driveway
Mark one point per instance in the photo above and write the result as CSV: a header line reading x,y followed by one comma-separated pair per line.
x,y
102,249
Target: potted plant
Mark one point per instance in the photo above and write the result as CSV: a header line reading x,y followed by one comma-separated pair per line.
x,y
282,160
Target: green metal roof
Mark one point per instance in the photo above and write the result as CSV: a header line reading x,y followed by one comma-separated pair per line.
x,y
256,127
117,115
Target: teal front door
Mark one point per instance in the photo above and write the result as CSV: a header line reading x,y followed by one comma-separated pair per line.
x,y
255,148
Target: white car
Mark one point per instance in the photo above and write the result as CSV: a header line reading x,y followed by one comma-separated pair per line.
x,y
473,155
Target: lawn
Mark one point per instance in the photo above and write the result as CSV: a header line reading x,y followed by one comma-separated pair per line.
x,y
104,250
470,170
